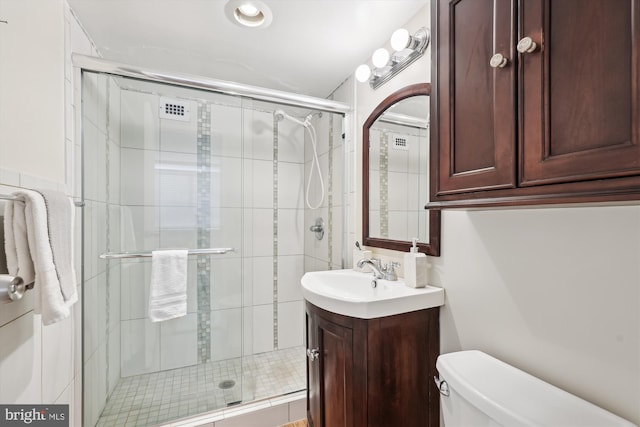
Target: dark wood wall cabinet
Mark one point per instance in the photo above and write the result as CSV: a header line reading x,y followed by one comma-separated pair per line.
x,y
372,372
535,102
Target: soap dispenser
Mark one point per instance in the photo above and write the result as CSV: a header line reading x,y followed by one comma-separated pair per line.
x,y
415,267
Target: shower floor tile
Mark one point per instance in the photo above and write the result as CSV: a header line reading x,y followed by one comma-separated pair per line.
x,y
151,399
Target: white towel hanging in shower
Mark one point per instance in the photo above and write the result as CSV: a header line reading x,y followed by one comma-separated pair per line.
x,y
168,290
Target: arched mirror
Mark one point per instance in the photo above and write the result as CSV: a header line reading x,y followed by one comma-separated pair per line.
x,y
395,174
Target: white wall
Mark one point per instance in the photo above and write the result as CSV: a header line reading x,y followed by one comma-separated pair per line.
x,y
39,364
553,291
32,77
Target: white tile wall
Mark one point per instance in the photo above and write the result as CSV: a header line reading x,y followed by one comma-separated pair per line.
x,y
226,182
397,190
140,183
226,230
262,280
225,122
291,185
21,354
258,134
398,225
140,228
180,333
178,180
226,283
140,347
262,328
226,334
290,324
292,231
291,142
262,232
290,272
262,184
137,133
57,344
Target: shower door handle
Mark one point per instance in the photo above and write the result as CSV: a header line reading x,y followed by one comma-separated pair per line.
x,y
313,354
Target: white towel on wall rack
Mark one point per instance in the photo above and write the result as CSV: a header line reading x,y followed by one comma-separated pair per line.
x,y
30,254
60,223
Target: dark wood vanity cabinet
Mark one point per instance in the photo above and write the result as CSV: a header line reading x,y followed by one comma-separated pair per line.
x,y
555,123
372,372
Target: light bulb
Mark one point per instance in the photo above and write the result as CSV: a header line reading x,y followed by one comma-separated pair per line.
x,y
400,39
380,57
248,9
363,72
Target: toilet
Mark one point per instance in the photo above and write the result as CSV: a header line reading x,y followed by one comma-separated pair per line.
x,y
479,390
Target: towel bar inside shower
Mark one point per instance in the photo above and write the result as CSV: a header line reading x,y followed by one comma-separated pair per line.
x,y
207,251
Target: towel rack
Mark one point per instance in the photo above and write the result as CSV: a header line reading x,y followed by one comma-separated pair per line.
x,y
207,251
15,199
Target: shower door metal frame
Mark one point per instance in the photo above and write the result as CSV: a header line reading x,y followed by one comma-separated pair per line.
x,y
90,63
98,65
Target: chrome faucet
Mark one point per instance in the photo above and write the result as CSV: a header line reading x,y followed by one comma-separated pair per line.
x,y
386,272
375,266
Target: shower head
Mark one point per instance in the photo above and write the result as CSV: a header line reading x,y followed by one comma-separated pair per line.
x,y
280,115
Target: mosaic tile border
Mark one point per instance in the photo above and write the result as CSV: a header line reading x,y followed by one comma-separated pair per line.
x,y
275,233
204,234
384,186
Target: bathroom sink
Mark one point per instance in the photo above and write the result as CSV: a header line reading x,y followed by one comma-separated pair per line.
x,y
350,293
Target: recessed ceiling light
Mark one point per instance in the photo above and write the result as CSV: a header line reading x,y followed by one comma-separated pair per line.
x,y
249,10
248,13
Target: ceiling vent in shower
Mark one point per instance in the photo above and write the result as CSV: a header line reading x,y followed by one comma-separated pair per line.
x,y
174,110
400,143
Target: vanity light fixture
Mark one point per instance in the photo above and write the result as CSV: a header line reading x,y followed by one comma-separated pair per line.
x,y
248,13
407,48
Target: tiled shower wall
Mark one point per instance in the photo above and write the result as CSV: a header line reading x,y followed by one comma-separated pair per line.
x,y
215,180
325,254
398,186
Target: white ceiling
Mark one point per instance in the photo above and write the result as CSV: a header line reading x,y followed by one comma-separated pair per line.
x,y
310,47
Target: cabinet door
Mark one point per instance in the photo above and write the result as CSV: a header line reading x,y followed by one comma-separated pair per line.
x,y
474,129
579,90
336,374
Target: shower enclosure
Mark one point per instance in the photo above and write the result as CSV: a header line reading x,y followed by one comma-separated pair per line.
x,y
167,166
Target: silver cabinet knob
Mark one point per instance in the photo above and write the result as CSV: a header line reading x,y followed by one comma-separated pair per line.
x,y
526,45
313,354
498,61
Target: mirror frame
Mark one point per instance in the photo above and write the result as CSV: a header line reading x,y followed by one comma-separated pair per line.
x,y
433,247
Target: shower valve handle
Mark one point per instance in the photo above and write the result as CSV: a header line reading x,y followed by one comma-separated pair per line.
x,y
313,354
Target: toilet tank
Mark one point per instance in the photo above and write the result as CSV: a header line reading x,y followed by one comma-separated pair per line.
x,y
484,391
